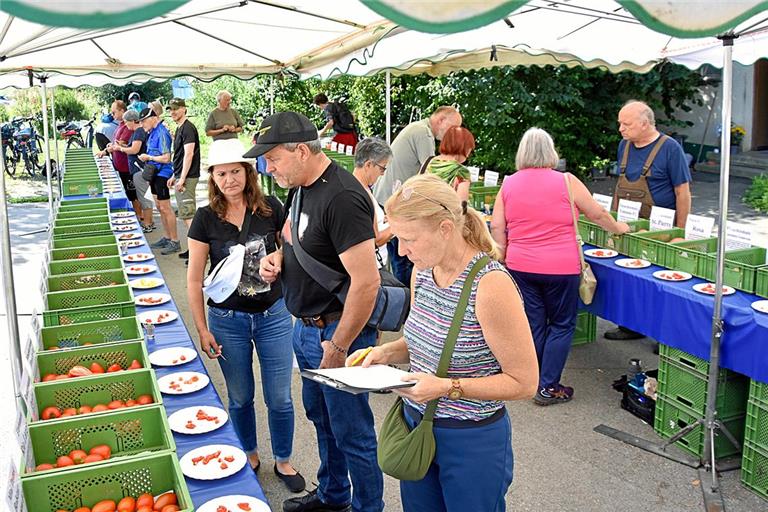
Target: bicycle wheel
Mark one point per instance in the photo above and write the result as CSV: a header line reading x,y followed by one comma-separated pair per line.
x,y
29,165
76,142
36,153
10,161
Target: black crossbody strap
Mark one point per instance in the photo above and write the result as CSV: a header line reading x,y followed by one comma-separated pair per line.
x,y
246,226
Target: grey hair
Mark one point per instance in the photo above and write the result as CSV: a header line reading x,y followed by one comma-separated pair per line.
x,y
372,149
314,146
643,111
222,93
536,150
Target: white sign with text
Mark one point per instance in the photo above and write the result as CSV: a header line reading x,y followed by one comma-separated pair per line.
x,y
628,210
491,179
474,173
14,497
738,236
334,146
349,150
662,218
698,227
603,200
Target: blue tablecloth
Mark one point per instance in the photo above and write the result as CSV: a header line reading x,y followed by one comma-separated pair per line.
x,y
676,315
175,334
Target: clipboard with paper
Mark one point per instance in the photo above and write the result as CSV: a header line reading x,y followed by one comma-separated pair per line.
x,y
356,379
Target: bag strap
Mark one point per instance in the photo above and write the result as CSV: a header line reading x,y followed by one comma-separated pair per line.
x,y
453,332
245,227
575,220
624,158
424,166
653,153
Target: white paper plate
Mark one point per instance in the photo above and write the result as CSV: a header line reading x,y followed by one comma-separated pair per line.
x,y
121,215
672,275
760,305
601,253
139,256
122,221
157,316
151,299
213,470
179,420
231,502
128,236
128,244
633,263
185,385
125,227
145,283
172,356
705,287
138,269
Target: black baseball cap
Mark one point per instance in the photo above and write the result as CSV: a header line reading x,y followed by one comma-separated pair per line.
x,y
282,128
146,113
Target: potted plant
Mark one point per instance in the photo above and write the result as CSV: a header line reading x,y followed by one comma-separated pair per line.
x,y
737,135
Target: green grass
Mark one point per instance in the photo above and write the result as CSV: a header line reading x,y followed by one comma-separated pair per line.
x,y
27,199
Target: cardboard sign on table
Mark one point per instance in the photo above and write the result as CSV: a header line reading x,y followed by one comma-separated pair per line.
x,y
603,200
341,148
628,210
662,218
334,146
737,236
349,150
491,179
698,227
474,173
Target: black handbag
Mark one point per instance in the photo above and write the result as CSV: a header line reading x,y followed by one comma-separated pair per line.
x,y
148,172
393,301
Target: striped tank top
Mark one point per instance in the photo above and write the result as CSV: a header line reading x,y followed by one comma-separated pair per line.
x,y
427,328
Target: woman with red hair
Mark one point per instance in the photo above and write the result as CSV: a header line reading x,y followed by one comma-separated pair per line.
x,y
455,147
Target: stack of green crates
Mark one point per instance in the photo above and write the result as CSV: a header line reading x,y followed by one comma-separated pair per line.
x,y
593,234
754,463
653,245
482,198
81,176
740,267
690,256
682,398
761,282
586,329
344,160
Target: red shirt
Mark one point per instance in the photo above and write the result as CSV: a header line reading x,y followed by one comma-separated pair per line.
x,y
120,159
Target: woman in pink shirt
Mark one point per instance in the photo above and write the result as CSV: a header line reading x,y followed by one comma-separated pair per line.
x,y
533,225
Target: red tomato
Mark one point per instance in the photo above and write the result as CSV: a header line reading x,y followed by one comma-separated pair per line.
x,y
104,506
93,458
145,508
82,509
116,404
50,412
144,399
145,500
170,508
61,377
49,376
97,368
102,449
84,409
70,411
81,256
64,461
127,504
44,467
99,408
78,456
164,500
135,365
114,368
131,403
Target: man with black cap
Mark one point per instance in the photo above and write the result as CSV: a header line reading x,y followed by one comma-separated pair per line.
x,y
158,156
186,163
331,215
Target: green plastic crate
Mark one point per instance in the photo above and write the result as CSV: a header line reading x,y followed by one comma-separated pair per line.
x,y
586,329
103,228
59,362
77,188
78,266
83,241
83,203
591,233
93,251
754,469
97,219
758,391
686,387
690,256
98,296
652,245
127,432
684,359
86,485
109,386
89,314
761,282
756,430
620,243
103,331
670,418
77,214
86,280
739,269
481,196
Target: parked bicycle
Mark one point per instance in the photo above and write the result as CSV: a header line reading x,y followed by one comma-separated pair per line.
x,y
8,154
28,145
72,132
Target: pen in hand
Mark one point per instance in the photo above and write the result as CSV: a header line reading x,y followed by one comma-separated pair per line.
x,y
362,356
213,352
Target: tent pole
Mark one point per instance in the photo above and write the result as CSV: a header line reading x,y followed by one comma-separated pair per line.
x,y
55,139
46,147
9,291
271,94
388,79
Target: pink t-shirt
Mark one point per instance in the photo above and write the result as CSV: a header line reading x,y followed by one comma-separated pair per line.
x,y
120,159
540,235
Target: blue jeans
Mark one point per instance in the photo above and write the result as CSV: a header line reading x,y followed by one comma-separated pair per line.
x,y
270,332
552,307
472,470
346,440
401,265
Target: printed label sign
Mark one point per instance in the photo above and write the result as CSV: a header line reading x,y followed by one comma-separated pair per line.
x,y
698,227
628,210
14,498
603,200
349,150
334,146
474,173
662,218
491,179
738,236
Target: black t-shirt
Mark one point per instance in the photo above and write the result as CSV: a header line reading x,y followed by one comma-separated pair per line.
x,y
186,134
220,235
134,164
336,214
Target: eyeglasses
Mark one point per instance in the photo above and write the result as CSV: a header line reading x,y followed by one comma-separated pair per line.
x,y
382,168
409,191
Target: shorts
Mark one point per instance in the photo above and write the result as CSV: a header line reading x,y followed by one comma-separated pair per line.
x,y
185,201
130,190
141,187
159,187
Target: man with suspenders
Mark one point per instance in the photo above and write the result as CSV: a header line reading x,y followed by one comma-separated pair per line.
x,y
654,172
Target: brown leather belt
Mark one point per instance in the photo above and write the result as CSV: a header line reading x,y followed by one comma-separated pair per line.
x,y
321,321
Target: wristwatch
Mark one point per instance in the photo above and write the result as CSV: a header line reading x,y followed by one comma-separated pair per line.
x,y
456,392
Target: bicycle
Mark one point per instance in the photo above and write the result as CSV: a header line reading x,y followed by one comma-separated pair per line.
x,y
9,156
28,145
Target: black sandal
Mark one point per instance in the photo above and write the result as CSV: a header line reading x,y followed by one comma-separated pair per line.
x,y
295,483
